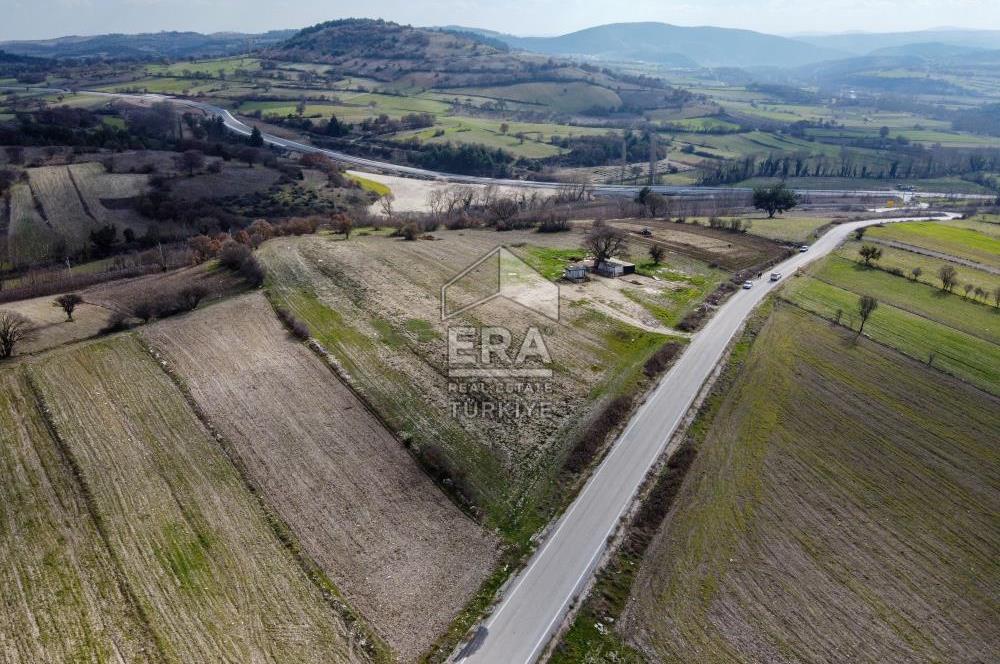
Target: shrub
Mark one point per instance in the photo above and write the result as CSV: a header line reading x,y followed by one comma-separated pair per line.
x,y
661,359
232,255
295,327
553,224
408,231
189,296
590,443
117,322
252,271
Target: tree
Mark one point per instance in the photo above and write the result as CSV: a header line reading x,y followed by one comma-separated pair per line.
x,y
14,328
604,242
256,139
948,276
883,132
249,155
68,303
190,296
343,225
774,199
866,306
967,288
996,296
104,239
655,203
502,209
859,233
191,161
656,253
916,272
385,203
504,128
869,252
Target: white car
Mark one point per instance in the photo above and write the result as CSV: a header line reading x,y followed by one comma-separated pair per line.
x,y
804,248
775,276
748,284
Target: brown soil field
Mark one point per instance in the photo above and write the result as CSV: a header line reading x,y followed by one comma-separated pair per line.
x,y
403,554
374,302
843,507
211,577
236,179
731,251
62,600
52,328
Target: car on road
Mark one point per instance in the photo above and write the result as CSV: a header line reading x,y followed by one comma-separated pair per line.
x,y
775,276
747,284
804,248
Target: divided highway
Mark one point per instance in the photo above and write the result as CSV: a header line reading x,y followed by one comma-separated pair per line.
x,y
538,599
239,127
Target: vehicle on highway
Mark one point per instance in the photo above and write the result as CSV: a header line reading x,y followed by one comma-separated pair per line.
x,y
747,284
775,276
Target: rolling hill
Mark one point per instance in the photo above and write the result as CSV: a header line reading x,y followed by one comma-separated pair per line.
x,y
674,45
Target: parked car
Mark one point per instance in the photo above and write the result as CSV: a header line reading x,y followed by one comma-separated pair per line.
x,y
775,276
804,248
748,284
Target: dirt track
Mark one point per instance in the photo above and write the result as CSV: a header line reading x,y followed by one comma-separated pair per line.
x,y
404,555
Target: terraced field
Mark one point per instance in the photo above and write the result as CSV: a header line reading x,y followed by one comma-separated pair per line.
x,y
209,575
842,507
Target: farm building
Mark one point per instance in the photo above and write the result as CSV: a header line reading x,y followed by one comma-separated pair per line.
x,y
615,268
576,272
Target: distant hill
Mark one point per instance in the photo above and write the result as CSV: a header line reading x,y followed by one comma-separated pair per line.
x,y
149,45
928,50
679,46
866,43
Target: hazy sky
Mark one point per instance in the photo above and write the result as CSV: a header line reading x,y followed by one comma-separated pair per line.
x,y
36,19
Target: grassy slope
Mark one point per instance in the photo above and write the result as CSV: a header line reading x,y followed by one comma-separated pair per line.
x,y
950,239
907,260
842,508
192,543
62,599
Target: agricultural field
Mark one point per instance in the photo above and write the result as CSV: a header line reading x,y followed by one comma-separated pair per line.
x,y
570,97
971,357
972,241
841,507
373,302
402,554
905,261
63,600
190,543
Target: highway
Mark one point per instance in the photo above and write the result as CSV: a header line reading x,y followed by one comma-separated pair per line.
x,y
237,126
538,599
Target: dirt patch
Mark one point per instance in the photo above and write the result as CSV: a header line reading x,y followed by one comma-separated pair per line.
x,y
411,194
404,556
731,251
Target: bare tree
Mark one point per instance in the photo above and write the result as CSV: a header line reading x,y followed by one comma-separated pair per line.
x,y
948,276
656,253
502,209
605,242
190,161
68,303
385,203
14,328
866,306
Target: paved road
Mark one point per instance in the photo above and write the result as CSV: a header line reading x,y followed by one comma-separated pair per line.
x,y
239,127
537,600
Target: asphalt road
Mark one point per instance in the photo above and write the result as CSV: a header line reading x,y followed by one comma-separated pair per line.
x,y
536,601
239,127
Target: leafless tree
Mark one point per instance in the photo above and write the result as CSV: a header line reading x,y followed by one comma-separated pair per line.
x,y
948,276
385,204
68,303
14,328
605,242
656,253
866,306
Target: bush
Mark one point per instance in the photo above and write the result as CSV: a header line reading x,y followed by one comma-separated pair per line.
x,y
252,272
189,296
408,231
232,255
295,327
590,443
117,322
661,359
553,224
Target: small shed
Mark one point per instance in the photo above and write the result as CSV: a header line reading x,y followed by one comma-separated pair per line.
x,y
614,267
575,272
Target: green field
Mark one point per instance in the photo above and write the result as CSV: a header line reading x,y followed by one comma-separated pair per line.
x,y
968,357
210,67
570,97
839,490
954,240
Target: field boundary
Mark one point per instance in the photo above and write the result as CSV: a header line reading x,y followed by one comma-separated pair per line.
x,y
369,640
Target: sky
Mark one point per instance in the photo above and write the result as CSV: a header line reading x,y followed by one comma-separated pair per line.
x,y
40,19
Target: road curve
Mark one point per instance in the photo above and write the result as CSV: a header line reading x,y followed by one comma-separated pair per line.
x,y
538,599
237,126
